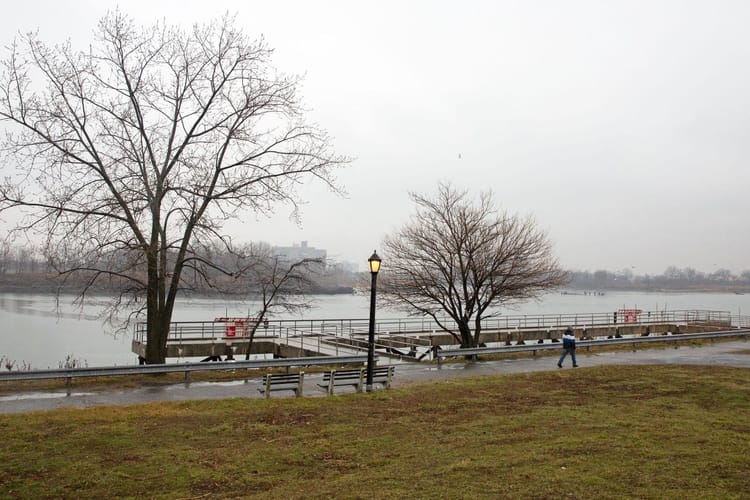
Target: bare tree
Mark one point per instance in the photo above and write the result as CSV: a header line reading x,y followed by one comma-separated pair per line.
x,y
463,259
277,283
131,155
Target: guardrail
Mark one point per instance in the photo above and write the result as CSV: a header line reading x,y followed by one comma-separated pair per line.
x,y
187,368
479,351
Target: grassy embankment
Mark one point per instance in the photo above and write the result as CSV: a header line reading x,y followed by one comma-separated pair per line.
x,y
602,432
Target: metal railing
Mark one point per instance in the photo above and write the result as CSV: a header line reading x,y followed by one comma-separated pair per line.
x,y
215,331
108,371
479,351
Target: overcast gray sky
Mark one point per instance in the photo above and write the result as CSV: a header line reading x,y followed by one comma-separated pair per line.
x,y
622,126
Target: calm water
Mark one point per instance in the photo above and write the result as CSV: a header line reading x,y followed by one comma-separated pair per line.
x,y
33,332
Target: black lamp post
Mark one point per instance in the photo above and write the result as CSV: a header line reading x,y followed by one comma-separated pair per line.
x,y
374,263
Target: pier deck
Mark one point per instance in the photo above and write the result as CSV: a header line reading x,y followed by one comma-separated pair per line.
x,y
414,339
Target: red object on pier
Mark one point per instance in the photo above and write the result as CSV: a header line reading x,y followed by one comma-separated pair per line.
x,y
629,315
236,327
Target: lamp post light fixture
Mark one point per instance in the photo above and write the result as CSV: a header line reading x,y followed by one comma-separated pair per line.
x,y
374,263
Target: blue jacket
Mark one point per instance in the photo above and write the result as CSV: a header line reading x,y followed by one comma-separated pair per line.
x,y
569,341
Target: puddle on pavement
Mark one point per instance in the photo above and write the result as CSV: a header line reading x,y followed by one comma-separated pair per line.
x,y
43,395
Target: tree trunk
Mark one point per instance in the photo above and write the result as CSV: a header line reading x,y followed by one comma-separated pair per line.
x,y
252,337
466,339
477,330
156,337
157,326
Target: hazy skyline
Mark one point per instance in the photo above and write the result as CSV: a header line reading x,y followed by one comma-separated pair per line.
x,y
621,126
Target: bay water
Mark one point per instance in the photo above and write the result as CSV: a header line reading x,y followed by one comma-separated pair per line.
x,y
36,334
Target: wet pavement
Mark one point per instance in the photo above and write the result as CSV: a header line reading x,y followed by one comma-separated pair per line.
x,y
733,353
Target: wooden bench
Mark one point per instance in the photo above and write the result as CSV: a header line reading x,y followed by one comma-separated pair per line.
x,y
356,378
282,382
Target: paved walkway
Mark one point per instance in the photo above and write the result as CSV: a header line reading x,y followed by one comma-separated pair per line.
x,y
733,353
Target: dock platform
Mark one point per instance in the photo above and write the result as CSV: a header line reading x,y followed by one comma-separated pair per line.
x,y
410,339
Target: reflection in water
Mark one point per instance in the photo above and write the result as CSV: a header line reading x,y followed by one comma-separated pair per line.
x,y
15,305
27,307
43,395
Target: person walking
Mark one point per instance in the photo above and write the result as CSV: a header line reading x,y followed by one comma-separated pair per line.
x,y
569,347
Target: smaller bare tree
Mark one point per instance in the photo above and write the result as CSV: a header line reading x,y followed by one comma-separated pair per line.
x,y
464,259
277,283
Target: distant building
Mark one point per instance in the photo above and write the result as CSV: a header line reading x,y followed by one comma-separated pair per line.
x,y
296,253
344,267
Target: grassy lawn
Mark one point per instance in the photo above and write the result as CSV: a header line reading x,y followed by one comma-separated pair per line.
x,y
601,432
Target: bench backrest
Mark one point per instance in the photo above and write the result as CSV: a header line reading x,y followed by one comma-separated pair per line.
x,y
283,381
277,378
356,378
378,371
342,374
383,371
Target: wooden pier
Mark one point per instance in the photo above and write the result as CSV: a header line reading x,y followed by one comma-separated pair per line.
x,y
413,339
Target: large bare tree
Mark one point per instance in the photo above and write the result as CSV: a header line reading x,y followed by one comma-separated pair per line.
x,y
133,154
461,259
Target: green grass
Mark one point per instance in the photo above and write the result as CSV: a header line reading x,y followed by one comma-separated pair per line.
x,y
601,432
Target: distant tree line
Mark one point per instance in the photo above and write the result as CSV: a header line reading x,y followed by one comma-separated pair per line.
x,y
673,278
33,267
22,259
16,259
